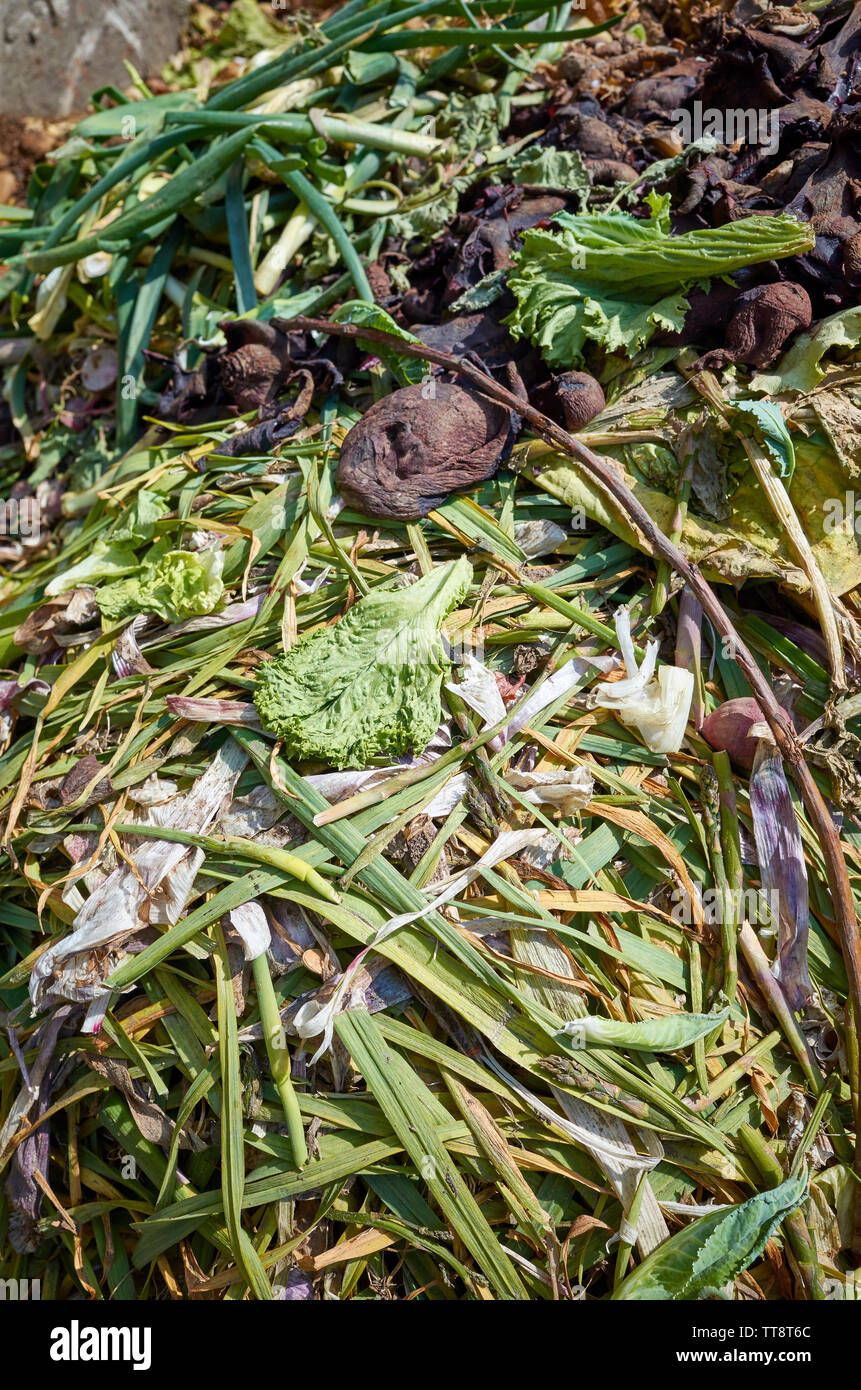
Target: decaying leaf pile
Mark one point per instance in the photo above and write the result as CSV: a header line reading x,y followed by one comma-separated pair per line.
x,y
418,880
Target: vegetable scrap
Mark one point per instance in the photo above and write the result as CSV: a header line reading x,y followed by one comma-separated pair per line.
x,y
430,647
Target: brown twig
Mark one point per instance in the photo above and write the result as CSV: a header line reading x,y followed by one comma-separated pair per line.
x,y
781,727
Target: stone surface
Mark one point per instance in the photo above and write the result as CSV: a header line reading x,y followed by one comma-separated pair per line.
x,y
55,53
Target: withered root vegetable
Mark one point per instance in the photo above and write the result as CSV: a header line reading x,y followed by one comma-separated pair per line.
x,y
581,398
763,319
414,447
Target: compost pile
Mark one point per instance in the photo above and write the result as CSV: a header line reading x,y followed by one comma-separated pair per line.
x,y
429,630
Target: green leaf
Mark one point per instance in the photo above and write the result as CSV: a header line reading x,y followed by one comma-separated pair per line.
x,y
232,1142
615,279
654,1035
103,562
371,683
240,250
247,30
710,1252
749,543
407,370
767,424
177,584
550,168
138,521
411,1109
800,369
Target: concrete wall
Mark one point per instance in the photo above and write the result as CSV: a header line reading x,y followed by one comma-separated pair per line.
x,y
54,53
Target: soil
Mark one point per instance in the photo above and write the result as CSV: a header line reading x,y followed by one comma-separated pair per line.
x,y
23,142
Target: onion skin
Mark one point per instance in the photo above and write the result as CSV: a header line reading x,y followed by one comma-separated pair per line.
x,y
727,729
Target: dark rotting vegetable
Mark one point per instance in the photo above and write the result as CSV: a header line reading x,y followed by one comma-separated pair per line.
x,y
763,320
414,447
581,398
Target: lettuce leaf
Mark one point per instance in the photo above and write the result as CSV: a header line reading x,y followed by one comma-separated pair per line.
x,y
615,280
371,683
138,522
711,1251
176,584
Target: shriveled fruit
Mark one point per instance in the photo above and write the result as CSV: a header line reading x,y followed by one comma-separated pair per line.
x,y
251,375
581,398
414,447
763,319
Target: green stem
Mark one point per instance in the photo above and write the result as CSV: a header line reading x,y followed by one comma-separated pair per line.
x,y
279,1057
263,854
734,872
630,1220
322,209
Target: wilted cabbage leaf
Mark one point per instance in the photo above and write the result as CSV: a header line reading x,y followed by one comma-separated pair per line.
x,y
748,543
801,368
371,683
614,279
176,584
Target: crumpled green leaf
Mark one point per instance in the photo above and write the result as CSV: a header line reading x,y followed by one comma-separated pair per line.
x,y
176,584
711,1251
421,222
549,167
615,279
800,369
138,521
369,684
246,30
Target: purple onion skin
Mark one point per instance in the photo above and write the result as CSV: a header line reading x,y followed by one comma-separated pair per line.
x,y
782,870
689,647
727,728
